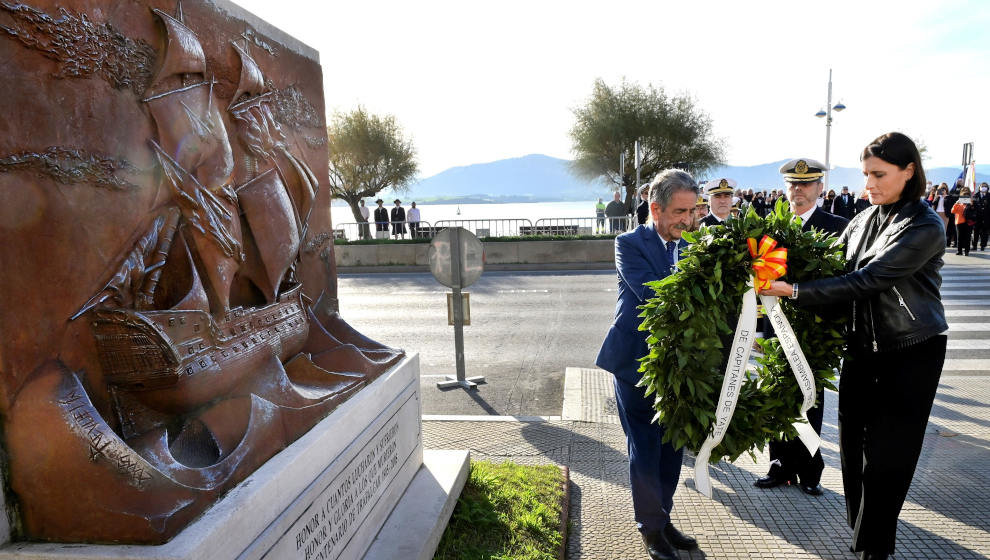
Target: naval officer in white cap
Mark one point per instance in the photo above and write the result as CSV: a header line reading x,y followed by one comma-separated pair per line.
x,y
719,193
790,462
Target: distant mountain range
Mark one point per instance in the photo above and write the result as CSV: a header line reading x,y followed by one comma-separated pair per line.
x,y
540,178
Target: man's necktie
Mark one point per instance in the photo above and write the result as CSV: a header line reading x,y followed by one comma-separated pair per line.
x,y
670,251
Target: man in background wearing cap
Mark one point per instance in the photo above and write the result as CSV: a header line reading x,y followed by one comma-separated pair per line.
x,y
398,220
700,211
648,253
719,200
381,220
790,462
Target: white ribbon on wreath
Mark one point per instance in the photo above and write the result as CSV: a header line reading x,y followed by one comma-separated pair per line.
x,y
735,369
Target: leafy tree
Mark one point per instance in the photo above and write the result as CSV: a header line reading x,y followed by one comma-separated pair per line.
x,y
368,154
672,132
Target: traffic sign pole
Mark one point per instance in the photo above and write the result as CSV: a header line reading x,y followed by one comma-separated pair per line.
x,y
456,266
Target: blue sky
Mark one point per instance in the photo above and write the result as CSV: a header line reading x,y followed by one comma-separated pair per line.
x,y
480,81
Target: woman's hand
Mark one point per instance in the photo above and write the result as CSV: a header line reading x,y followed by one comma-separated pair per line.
x,y
778,288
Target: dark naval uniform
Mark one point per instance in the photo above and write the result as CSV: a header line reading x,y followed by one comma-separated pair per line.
x,y
711,220
790,461
721,185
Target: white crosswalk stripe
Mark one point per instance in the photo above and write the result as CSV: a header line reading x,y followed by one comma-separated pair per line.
x,y
966,296
956,313
964,364
967,344
970,327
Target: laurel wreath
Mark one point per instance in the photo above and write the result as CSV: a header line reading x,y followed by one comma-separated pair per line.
x,y
691,320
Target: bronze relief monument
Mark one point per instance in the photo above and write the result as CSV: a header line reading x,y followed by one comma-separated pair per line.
x,y
168,311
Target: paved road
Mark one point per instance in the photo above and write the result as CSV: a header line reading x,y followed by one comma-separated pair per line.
x,y
526,328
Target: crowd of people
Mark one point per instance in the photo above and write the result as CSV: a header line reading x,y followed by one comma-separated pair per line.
x,y
965,213
895,346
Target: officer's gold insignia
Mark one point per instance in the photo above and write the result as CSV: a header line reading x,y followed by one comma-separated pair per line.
x,y
801,167
723,184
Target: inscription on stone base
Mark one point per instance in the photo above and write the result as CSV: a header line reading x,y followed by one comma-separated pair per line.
x,y
324,530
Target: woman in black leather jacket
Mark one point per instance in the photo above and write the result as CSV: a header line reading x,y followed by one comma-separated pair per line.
x,y
896,344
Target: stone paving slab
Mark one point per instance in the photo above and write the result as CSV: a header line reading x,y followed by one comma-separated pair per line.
x,y
947,514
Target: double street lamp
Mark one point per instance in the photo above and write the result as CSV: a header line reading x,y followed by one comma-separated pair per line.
x,y
827,113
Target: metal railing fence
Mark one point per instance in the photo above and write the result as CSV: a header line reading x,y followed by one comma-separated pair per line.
x,y
491,227
352,231
494,227
583,225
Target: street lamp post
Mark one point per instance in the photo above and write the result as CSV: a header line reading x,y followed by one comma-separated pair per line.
x,y
827,113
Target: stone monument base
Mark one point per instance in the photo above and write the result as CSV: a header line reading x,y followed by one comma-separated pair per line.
x,y
324,497
418,521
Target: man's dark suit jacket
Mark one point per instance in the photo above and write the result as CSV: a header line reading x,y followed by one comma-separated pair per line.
x,y
824,221
844,205
654,466
710,220
639,258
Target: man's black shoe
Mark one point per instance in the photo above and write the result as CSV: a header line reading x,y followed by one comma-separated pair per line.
x,y
678,539
657,546
867,555
810,490
770,481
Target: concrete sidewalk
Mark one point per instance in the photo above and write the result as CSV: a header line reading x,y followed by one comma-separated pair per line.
x,y
947,513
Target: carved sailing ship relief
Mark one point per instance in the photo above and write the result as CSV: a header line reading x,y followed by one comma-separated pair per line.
x,y
212,356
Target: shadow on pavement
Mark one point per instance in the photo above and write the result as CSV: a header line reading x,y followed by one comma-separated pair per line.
x,y
818,524
581,453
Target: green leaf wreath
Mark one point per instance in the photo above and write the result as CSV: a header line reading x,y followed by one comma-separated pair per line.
x,y
692,319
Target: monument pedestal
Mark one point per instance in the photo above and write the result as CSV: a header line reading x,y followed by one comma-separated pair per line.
x,y
324,497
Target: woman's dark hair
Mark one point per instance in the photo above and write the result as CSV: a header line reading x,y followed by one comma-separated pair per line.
x,y
897,149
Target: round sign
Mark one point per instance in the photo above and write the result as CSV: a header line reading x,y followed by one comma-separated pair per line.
x,y
454,246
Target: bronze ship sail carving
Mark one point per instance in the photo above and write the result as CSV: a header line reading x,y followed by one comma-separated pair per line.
x,y
183,52
206,357
272,219
252,80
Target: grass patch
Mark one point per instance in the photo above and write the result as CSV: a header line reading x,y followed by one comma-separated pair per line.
x,y
506,512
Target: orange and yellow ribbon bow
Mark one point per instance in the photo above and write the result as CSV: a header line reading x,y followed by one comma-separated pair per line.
x,y
769,263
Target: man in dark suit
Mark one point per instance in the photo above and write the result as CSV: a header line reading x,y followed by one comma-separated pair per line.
x,y
981,203
381,220
844,205
643,210
950,223
790,462
650,252
719,201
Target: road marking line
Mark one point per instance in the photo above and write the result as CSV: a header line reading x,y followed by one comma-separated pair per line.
x,y
968,344
969,327
957,364
967,313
